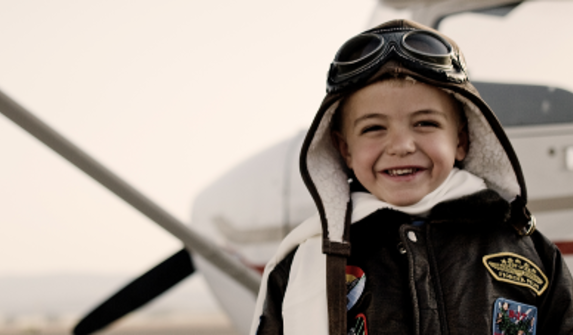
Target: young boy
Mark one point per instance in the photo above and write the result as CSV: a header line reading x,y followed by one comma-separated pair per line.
x,y
422,226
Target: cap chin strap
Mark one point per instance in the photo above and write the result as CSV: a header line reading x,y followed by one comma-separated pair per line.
x,y
336,257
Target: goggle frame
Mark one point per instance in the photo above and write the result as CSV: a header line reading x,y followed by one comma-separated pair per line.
x,y
448,66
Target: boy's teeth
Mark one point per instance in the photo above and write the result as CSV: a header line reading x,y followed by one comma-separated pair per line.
x,y
400,172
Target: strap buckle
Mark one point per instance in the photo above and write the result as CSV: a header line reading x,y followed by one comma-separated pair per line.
x,y
528,229
521,218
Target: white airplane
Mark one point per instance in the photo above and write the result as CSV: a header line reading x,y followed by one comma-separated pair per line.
x,y
239,220
249,211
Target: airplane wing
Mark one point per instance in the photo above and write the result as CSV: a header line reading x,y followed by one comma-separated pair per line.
x,y
431,12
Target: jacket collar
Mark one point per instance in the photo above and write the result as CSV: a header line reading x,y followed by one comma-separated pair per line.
x,y
486,205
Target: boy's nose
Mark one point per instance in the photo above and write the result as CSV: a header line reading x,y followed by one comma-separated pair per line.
x,y
400,143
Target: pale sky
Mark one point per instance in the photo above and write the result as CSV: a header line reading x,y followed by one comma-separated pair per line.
x,y
172,94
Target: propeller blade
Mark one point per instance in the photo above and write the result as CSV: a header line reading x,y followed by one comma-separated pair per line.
x,y
137,293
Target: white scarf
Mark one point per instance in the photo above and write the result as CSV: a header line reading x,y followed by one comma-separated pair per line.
x,y
458,184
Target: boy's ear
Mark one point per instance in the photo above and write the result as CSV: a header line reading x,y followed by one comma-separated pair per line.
x,y
463,143
339,143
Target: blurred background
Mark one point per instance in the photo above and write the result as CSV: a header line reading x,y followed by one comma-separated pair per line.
x,y
167,94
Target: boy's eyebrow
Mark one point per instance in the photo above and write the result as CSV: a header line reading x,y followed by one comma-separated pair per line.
x,y
369,116
430,112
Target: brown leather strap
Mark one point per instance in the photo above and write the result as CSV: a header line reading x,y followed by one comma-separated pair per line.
x,y
336,255
339,248
336,294
336,248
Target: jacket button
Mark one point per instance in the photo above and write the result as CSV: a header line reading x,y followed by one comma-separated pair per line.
x,y
412,236
401,248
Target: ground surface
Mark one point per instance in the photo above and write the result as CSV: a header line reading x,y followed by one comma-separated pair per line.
x,y
200,330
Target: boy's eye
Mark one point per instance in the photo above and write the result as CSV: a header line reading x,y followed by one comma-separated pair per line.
x,y
427,123
372,128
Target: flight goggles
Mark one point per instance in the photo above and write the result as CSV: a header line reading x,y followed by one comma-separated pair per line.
x,y
421,51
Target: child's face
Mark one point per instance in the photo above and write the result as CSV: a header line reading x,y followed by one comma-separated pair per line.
x,y
401,139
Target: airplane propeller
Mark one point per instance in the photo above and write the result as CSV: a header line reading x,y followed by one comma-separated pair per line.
x,y
137,293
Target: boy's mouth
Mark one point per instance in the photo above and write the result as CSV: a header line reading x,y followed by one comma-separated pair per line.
x,y
401,172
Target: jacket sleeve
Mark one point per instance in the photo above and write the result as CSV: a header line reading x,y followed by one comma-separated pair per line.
x,y
271,321
556,305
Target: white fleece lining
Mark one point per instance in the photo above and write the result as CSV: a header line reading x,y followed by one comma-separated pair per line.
x,y
486,159
328,174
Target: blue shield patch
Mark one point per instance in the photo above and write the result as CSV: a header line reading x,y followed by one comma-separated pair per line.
x,y
514,318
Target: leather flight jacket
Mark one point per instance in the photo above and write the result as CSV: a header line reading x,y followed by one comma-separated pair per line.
x,y
444,274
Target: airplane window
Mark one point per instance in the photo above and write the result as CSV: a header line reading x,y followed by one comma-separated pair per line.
x,y
519,59
527,105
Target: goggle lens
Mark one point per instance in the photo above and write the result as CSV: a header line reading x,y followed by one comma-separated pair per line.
x,y
426,44
358,48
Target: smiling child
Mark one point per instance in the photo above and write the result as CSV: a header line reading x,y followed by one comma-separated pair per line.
x,y
422,225
401,139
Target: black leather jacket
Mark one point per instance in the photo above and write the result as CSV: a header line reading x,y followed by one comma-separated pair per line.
x,y
443,274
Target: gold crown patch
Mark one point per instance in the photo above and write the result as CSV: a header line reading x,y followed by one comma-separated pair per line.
x,y
515,269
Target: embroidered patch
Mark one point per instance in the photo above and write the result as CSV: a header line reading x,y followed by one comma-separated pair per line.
x,y
355,281
359,327
515,269
514,318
